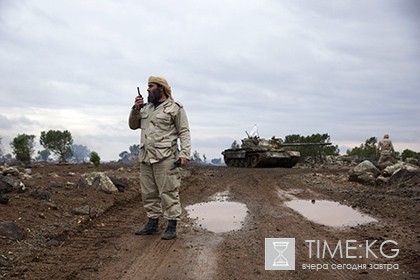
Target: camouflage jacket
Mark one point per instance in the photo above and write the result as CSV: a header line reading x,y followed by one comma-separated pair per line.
x,y
161,127
385,146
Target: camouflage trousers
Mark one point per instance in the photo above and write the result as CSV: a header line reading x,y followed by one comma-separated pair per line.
x,y
386,157
160,189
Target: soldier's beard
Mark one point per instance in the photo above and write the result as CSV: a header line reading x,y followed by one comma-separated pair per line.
x,y
154,96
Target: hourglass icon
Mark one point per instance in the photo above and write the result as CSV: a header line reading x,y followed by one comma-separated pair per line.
x,y
280,247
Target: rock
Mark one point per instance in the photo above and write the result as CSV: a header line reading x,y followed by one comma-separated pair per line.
x,y
11,230
52,205
56,185
4,199
70,185
413,161
390,170
367,166
5,185
99,181
364,173
345,159
120,184
405,177
25,176
363,178
8,184
3,262
82,210
54,175
330,159
381,180
41,195
104,183
11,171
21,187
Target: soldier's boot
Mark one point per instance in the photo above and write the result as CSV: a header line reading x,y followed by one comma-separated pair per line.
x,y
170,232
152,227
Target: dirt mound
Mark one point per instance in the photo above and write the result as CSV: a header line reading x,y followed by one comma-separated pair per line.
x,y
75,231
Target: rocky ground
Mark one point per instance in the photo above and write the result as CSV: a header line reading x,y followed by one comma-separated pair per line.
x,y
59,225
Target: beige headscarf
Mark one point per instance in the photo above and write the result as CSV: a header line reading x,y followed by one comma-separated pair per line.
x,y
162,81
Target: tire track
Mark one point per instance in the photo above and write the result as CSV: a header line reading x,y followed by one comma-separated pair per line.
x,y
85,249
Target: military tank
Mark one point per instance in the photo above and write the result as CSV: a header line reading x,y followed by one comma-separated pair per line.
x,y
259,152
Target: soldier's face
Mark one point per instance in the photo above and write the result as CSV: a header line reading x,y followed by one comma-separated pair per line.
x,y
155,93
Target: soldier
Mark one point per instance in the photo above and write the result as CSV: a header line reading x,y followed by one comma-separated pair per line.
x,y
162,122
385,150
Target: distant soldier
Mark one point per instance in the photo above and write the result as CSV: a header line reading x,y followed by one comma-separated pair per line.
x,y
385,150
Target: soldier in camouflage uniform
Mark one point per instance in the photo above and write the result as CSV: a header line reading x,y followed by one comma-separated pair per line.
x,y
385,150
162,122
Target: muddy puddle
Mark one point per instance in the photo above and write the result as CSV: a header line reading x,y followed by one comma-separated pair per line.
x,y
329,213
218,215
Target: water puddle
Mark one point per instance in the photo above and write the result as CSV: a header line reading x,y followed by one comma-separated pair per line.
x,y
218,215
329,213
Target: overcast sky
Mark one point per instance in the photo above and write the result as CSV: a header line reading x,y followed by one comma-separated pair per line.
x,y
347,68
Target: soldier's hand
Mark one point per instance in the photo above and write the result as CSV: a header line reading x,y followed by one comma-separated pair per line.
x,y
184,161
138,102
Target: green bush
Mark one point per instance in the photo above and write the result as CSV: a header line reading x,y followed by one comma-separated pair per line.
x,y
94,158
366,150
23,147
410,154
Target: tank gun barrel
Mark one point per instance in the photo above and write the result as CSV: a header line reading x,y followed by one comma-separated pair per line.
x,y
305,144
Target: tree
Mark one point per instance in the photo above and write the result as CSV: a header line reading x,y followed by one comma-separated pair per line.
x,y
318,152
80,152
95,158
409,154
234,145
43,155
58,142
196,157
23,147
134,150
124,154
366,150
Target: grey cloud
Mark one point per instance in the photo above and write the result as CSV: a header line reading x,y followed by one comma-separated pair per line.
x,y
5,123
339,67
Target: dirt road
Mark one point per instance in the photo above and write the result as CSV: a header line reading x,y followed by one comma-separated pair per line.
x,y
104,246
